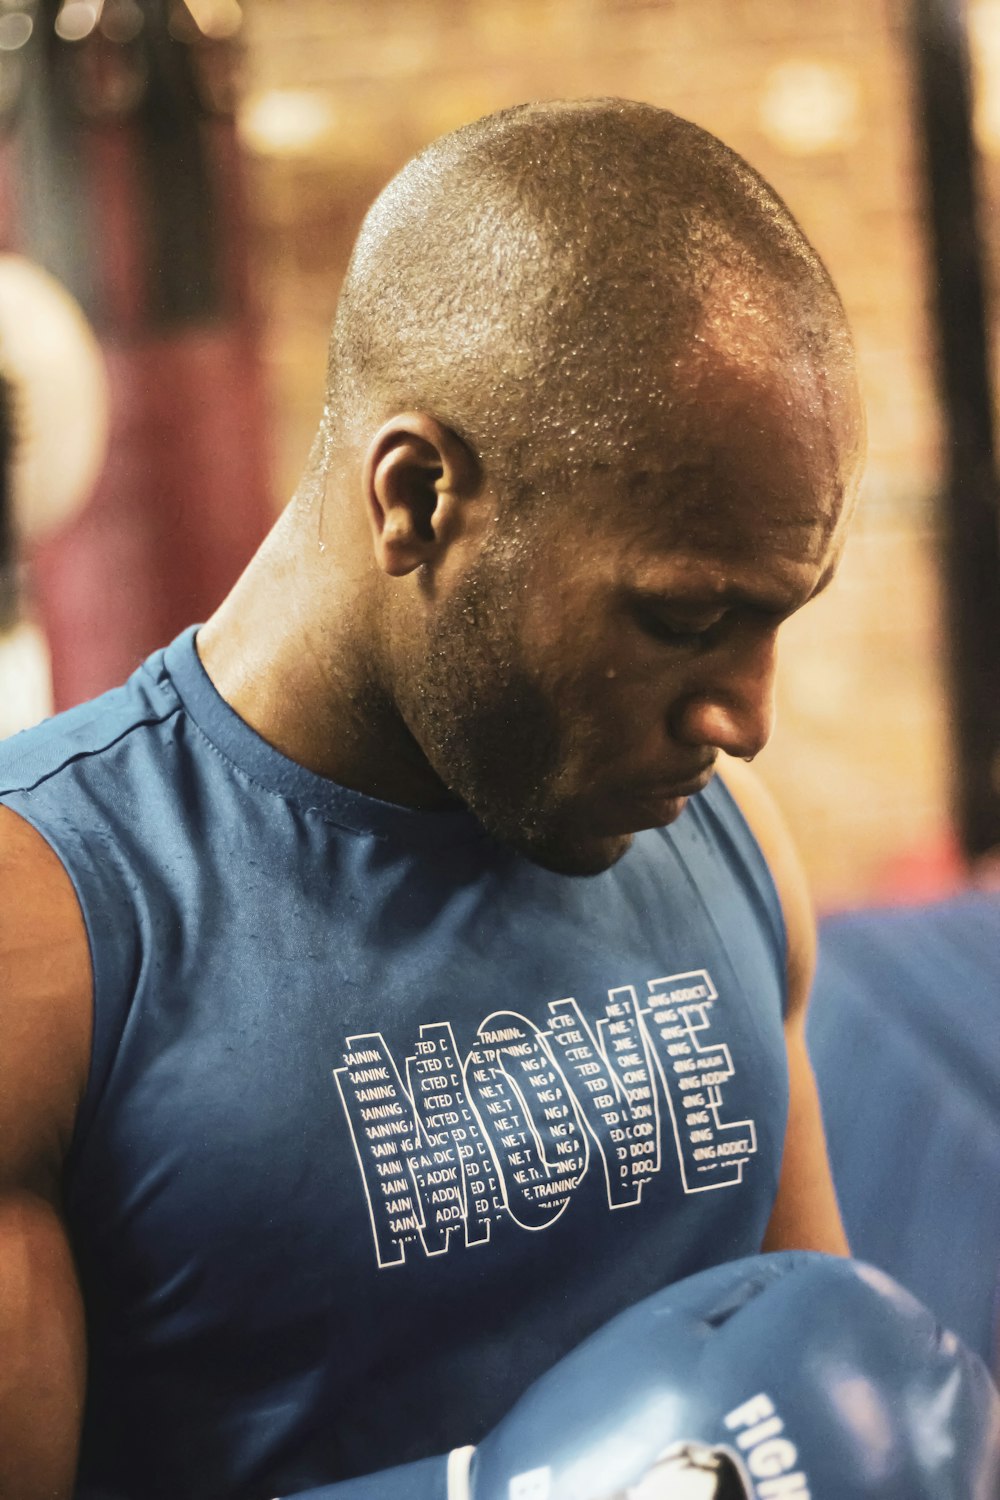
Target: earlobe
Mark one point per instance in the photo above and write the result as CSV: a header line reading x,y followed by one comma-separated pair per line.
x,y
416,474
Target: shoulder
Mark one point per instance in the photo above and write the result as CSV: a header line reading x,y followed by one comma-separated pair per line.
x,y
768,827
82,742
45,1005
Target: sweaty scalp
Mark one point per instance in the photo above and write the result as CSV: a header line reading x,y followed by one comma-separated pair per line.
x,y
531,279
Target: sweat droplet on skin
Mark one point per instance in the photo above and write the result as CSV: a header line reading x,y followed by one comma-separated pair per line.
x,y
611,672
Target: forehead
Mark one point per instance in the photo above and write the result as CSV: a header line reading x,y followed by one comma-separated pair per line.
x,y
754,460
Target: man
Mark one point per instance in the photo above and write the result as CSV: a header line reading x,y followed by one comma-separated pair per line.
x,y
390,996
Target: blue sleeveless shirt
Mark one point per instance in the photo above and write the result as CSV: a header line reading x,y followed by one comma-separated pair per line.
x,y
381,1119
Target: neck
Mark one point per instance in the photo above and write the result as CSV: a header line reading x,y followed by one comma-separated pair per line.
x,y
289,650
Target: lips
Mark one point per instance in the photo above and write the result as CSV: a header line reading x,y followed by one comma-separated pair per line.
x,y
688,788
647,806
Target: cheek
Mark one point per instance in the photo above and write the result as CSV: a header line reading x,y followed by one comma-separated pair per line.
x,y
616,712
605,681
630,675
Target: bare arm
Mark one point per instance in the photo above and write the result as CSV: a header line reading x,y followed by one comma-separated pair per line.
x,y
805,1215
45,1019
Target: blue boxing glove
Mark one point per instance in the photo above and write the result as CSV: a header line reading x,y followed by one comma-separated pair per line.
x,y
783,1377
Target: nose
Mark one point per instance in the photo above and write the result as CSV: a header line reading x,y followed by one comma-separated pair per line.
x,y
729,704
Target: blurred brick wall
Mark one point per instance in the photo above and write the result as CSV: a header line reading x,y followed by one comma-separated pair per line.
x,y
860,757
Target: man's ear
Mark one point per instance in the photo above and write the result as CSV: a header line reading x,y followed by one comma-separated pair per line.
x,y
417,473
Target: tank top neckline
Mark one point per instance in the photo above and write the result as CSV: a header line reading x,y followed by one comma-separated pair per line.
x,y
233,737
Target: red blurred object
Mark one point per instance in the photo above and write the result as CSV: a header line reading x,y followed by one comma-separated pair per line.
x,y
132,194
181,506
925,872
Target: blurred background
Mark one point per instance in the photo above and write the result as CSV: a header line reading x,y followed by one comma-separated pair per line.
x,y
180,184
192,175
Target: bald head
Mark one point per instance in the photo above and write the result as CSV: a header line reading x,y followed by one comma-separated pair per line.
x,y
600,307
535,279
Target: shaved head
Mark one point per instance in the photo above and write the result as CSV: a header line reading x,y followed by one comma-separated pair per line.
x,y
531,278
592,432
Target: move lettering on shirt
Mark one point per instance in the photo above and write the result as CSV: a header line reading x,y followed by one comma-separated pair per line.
x,y
449,1143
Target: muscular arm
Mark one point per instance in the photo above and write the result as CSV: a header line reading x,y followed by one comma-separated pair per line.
x,y
44,1047
806,1215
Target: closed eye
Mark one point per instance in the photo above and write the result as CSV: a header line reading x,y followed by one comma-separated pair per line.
x,y
676,630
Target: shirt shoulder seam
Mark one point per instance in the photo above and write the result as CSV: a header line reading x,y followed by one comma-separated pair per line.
x,y
143,723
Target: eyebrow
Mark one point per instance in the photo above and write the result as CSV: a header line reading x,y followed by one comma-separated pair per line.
x,y
730,596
